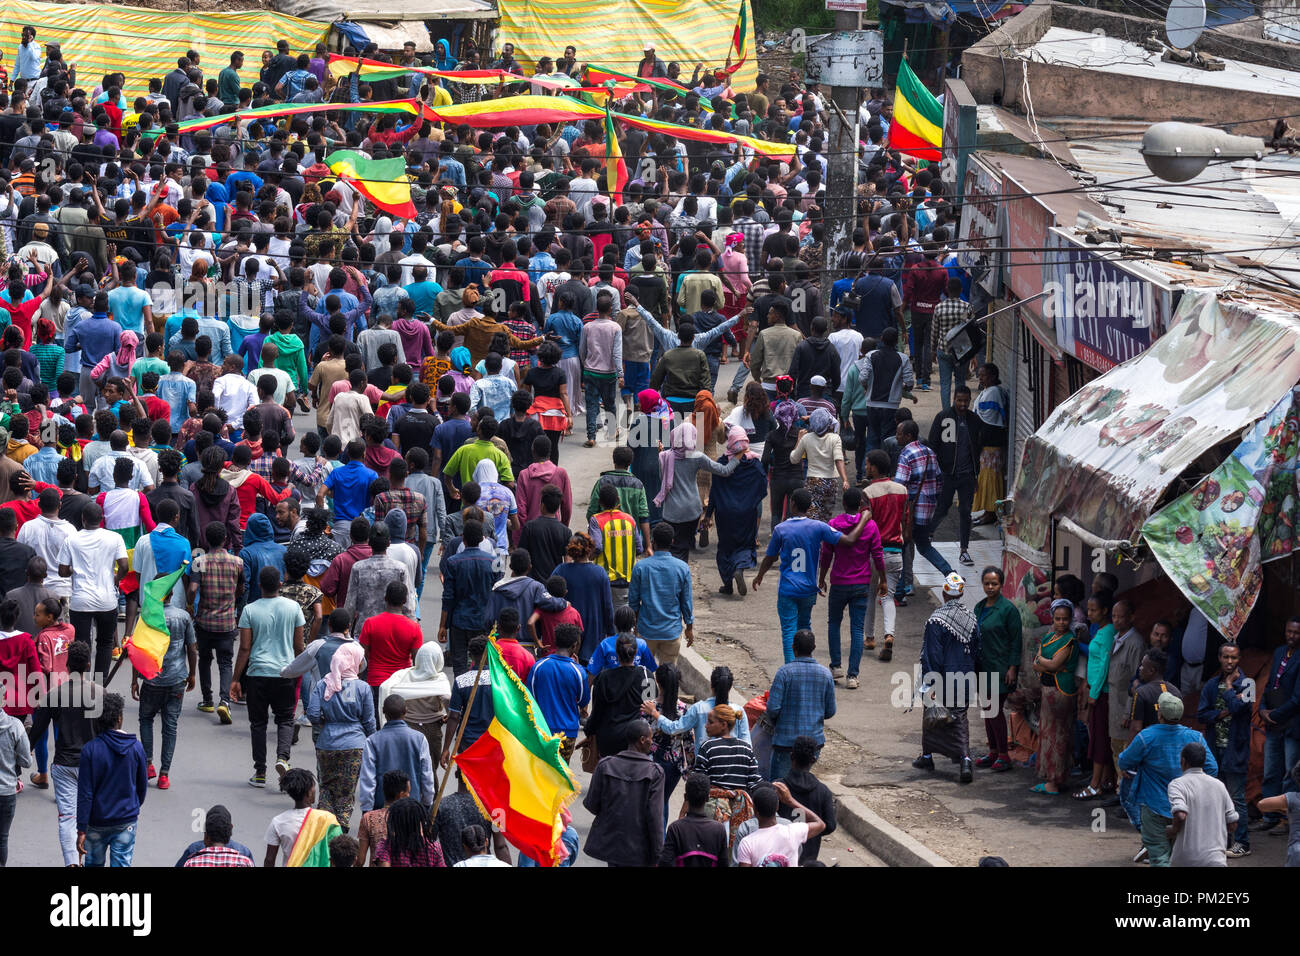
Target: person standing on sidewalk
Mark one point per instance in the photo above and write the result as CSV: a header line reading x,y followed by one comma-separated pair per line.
x,y
918,471
165,692
852,567
1225,711
1001,637
659,592
950,654
270,637
111,787
1279,710
797,541
70,706
955,438
216,580
950,313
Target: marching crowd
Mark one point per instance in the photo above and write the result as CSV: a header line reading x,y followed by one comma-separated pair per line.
x,y
174,298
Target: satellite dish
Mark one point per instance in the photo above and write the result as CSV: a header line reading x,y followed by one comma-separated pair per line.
x,y
1185,22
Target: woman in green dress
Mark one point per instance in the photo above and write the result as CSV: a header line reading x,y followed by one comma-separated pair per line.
x,y
1055,665
1000,637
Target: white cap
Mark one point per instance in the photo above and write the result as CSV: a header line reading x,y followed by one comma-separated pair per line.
x,y
954,584
648,46
818,380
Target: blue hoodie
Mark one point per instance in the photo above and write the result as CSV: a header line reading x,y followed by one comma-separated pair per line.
x,y
259,551
111,782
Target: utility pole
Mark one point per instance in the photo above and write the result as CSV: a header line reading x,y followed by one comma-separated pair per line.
x,y
842,162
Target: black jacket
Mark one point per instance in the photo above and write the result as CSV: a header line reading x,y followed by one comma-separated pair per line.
x,y
70,707
696,840
815,357
626,796
944,426
816,796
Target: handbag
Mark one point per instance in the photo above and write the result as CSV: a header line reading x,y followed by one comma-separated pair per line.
x,y
936,717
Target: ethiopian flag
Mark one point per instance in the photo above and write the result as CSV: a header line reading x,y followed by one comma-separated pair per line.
x,y
514,770
615,167
918,118
148,642
311,847
383,181
739,39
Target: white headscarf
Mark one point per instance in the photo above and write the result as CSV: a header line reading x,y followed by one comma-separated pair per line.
x,y
381,237
425,679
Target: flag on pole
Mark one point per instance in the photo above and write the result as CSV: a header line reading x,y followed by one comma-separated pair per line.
x,y
615,167
514,769
739,39
917,128
383,181
148,642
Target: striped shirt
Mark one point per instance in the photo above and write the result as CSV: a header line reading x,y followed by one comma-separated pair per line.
x,y
618,540
729,763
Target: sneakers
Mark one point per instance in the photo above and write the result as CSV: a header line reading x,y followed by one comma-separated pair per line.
x,y
1001,766
1140,856
151,772
986,761
223,713
923,387
1264,824
923,762
851,683
282,766
837,672
966,559
967,771
257,780
741,587
205,707
1238,850
887,652
908,590
900,600
164,783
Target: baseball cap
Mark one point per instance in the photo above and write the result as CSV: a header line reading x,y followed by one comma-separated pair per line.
x,y
85,291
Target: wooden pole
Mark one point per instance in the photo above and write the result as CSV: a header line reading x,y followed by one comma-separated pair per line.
x,y
460,732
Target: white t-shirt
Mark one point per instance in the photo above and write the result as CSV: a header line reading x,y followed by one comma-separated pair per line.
x,y
284,830
773,846
92,555
482,859
847,342
234,395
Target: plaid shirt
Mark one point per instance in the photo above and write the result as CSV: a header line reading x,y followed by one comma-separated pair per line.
x,y
752,230
948,314
918,471
262,466
212,856
407,500
218,575
802,698
525,330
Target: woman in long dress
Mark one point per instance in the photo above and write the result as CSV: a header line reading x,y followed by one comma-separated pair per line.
x,y
649,427
1055,665
736,501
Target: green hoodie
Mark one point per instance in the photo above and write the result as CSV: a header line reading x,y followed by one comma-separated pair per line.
x,y
292,358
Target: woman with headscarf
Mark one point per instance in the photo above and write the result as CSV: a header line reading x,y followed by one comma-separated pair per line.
x,y
462,370
342,708
679,495
1055,663
737,503
784,476
589,593
426,690
824,450
733,269
117,364
649,428
950,657
498,503
381,236
707,420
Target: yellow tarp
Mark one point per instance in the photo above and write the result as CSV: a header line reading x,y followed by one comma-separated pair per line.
x,y
144,43
613,32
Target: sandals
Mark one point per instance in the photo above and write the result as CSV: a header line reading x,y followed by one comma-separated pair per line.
x,y
1042,788
1087,793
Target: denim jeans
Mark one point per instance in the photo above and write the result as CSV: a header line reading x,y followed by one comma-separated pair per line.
x,y
1236,784
881,423
795,614
8,804
715,362
947,369
424,564
964,488
1280,755
117,844
65,799
222,646
921,538
857,597
601,393
921,355
861,435
737,380
780,764
1128,800
166,701
1154,838
905,579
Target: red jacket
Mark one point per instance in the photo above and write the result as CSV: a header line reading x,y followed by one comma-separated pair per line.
x,y
923,285
18,657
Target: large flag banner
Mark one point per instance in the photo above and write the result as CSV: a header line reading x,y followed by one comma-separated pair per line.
x,y
383,181
311,847
1212,541
918,118
515,771
148,642
615,167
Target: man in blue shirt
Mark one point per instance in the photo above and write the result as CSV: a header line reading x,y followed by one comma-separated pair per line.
x,y
560,687
95,337
467,581
801,699
130,305
798,541
1155,756
660,594
178,391
350,487
27,64
423,291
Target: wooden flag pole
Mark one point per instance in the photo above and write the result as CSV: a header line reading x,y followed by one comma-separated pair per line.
x,y
460,732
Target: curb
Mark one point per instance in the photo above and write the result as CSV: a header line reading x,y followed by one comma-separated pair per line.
x,y
880,837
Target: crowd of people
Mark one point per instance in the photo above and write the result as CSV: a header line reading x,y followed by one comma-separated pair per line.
x,y
175,298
